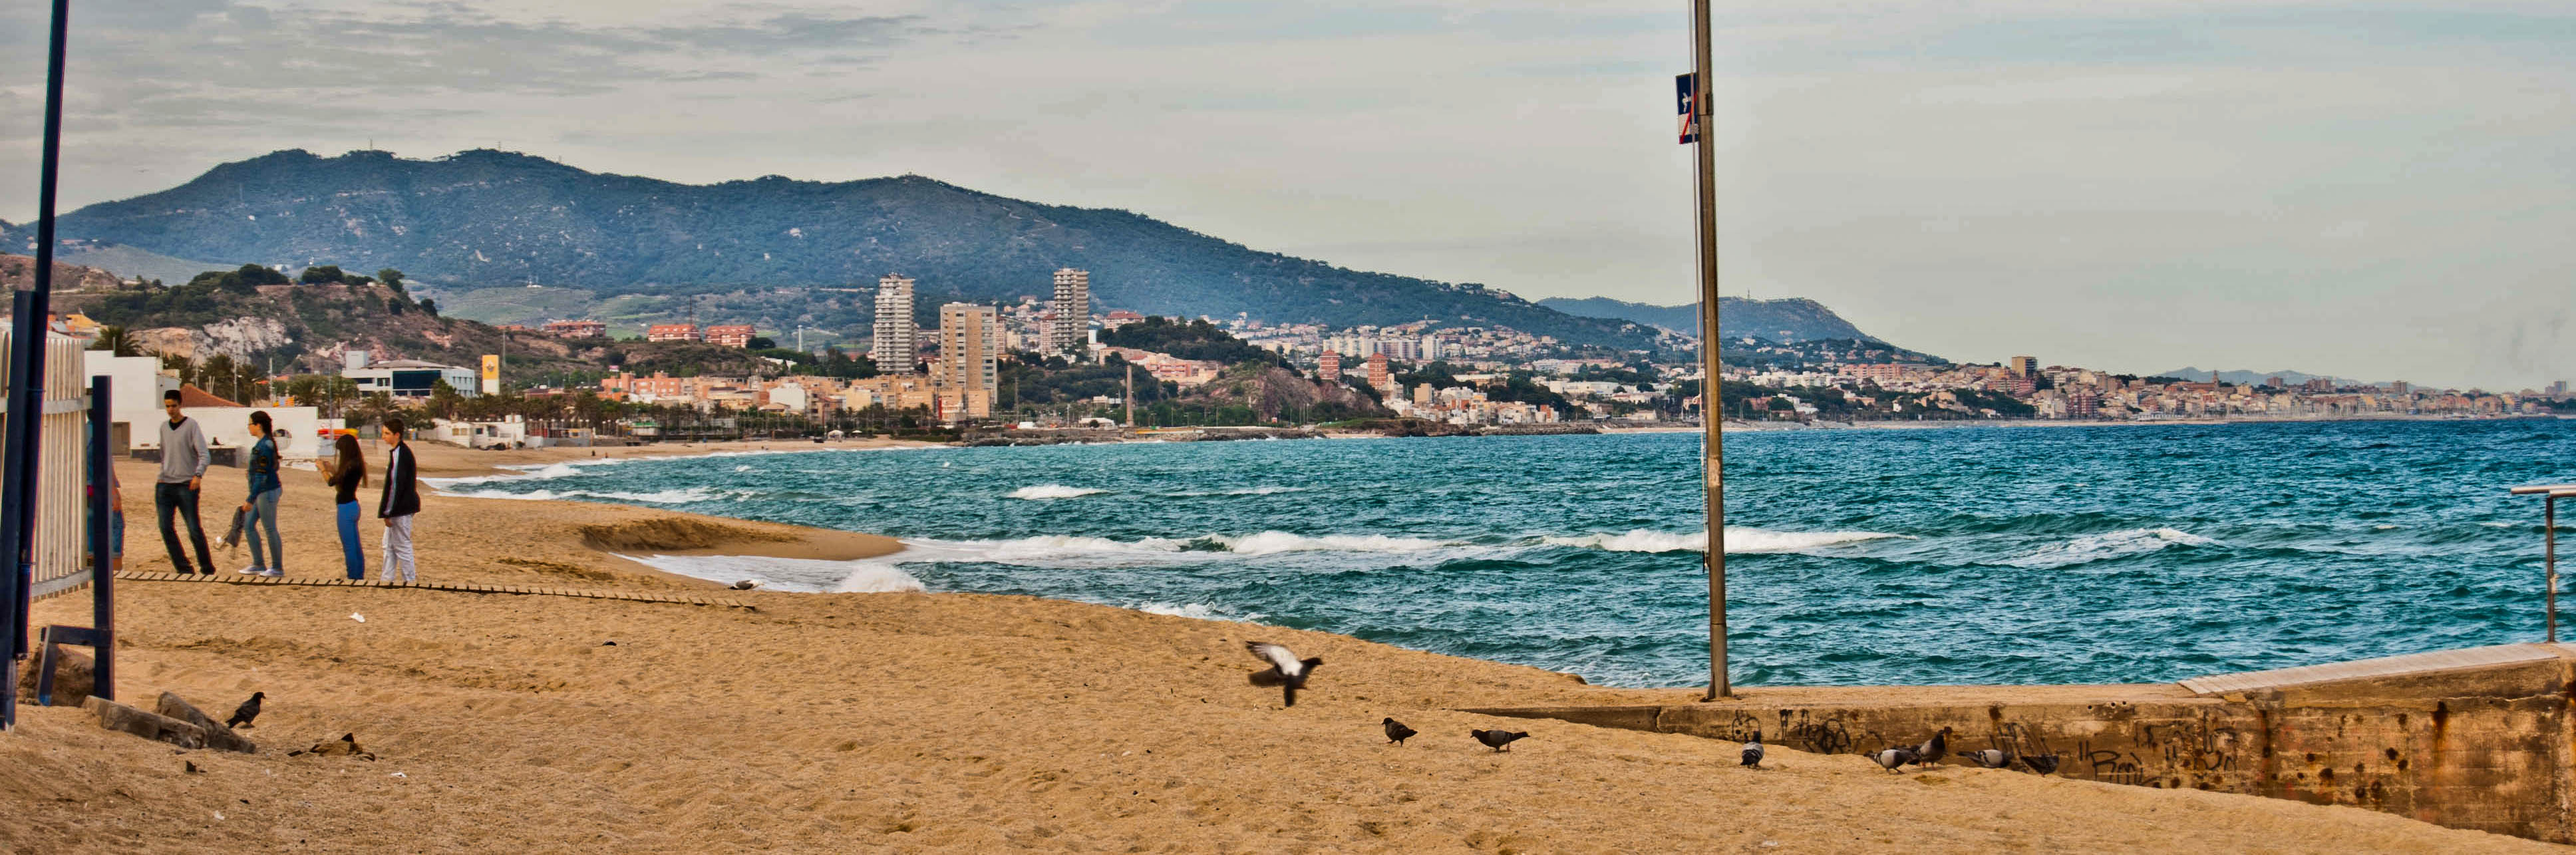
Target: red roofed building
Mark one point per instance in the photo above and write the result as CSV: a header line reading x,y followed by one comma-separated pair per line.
x,y
673,332
191,396
730,335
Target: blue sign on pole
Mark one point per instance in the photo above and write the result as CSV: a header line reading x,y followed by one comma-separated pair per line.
x,y
1685,92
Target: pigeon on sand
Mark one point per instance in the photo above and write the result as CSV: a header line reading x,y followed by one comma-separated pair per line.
x,y
1894,759
1933,749
1991,758
248,710
1753,751
1286,671
1499,740
1396,732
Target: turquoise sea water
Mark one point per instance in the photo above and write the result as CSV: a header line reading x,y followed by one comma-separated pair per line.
x,y
1970,555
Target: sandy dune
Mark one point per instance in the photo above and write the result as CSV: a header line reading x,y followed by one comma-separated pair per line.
x,y
915,722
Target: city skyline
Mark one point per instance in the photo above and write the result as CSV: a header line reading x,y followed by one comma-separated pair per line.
x,y
2134,184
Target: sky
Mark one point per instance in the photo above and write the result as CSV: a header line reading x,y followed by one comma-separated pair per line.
x,y
2373,190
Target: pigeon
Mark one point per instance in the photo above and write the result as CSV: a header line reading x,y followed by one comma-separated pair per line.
x,y
248,710
1991,758
1396,732
1753,751
746,584
2041,763
1894,759
192,767
1499,740
1933,749
1286,671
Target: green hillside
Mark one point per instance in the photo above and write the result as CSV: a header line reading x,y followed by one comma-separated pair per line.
x,y
484,219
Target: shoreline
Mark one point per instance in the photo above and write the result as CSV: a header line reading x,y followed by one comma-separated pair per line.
x,y
940,721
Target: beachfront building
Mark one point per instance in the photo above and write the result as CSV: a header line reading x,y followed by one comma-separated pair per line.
x,y
968,374
1069,331
673,332
896,332
1329,367
730,335
1378,375
406,378
577,329
1187,373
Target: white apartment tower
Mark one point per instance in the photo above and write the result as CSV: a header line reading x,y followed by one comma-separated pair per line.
x,y
1070,329
970,339
896,332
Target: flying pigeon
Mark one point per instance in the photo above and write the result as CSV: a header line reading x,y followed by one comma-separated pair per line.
x,y
1753,751
1396,732
1991,758
1894,759
1933,749
1498,740
2041,763
248,710
1286,671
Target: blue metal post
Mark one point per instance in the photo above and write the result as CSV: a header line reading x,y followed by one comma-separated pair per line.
x,y
26,383
102,577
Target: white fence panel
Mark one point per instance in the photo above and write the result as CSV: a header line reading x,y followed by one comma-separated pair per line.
x,y
62,501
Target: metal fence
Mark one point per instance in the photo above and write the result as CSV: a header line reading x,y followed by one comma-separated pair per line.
x,y
61,534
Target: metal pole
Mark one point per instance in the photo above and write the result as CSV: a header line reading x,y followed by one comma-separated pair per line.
x,y
2549,521
102,578
1711,389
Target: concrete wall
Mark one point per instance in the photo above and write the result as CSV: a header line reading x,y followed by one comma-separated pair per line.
x,y
2486,748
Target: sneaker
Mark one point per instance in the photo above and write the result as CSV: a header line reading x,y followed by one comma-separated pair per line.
x,y
272,572
250,571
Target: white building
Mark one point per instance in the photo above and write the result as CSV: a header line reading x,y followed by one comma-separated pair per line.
x,y
896,349
135,384
1069,331
406,378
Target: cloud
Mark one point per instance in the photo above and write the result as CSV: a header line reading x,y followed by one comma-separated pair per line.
x,y
2125,183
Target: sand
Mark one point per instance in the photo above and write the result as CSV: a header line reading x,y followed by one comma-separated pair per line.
x,y
920,722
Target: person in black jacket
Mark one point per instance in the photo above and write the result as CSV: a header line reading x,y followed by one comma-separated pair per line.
x,y
401,501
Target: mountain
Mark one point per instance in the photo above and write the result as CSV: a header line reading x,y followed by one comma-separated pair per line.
x,y
2248,378
481,219
1788,320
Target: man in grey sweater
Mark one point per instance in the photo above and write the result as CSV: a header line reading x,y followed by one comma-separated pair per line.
x,y
183,473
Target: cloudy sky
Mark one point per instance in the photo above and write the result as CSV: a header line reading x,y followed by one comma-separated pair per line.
x,y
2378,190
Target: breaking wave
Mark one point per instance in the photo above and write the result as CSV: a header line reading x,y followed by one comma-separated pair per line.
x,y
1044,492
2099,547
1739,541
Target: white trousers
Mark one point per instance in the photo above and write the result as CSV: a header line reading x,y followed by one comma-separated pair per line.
x,y
398,548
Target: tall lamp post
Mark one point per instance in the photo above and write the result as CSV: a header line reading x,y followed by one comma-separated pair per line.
x,y
1712,413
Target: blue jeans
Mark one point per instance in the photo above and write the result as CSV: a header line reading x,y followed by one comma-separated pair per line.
x,y
263,513
169,499
349,551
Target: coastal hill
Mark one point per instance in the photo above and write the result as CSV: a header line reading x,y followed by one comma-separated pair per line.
x,y
485,219
1786,321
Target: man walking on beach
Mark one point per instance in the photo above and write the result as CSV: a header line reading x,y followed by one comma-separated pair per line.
x,y
183,472
401,501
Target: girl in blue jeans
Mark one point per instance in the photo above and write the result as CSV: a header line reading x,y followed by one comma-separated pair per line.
x,y
345,476
261,511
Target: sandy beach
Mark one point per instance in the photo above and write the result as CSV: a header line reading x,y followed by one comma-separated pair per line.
x,y
922,722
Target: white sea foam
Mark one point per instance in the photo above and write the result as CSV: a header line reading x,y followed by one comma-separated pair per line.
x,y
2097,547
676,496
1247,491
1272,542
789,574
1044,492
743,468
1201,611
1739,540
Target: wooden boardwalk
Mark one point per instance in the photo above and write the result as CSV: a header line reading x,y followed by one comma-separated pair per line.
x,y
629,596
2442,660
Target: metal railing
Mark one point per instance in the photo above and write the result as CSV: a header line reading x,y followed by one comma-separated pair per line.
x,y
2550,494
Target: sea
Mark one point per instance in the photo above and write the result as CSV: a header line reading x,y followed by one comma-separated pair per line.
x,y
1973,555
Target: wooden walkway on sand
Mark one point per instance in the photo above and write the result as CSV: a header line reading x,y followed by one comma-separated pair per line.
x,y
629,596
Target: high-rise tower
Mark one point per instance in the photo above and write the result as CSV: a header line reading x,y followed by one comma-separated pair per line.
x,y
1070,329
970,337
896,331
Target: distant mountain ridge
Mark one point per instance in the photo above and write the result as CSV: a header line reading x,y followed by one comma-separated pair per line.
x,y
2252,378
1787,321
487,218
